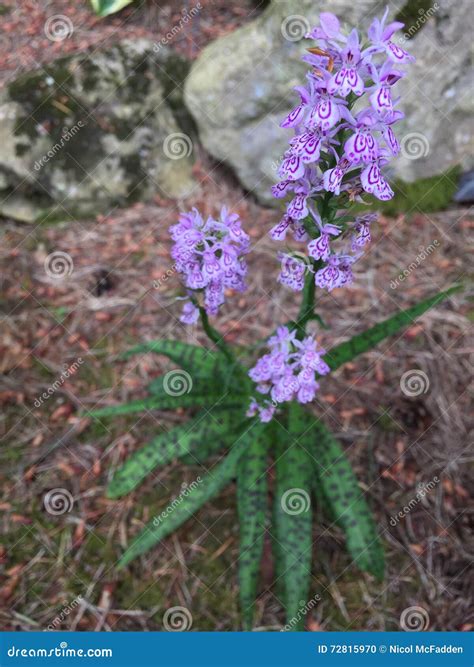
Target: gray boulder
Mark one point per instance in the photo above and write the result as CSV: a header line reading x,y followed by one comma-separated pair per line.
x,y
241,86
93,131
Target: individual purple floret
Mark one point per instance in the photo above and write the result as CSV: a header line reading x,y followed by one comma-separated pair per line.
x,y
340,145
209,255
287,372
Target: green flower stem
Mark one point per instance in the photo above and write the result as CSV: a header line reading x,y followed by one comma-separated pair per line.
x,y
306,312
214,335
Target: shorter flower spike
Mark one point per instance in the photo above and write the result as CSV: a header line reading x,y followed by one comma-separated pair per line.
x,y
209,255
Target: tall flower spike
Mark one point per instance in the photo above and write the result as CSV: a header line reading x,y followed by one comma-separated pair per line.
x,y
335,151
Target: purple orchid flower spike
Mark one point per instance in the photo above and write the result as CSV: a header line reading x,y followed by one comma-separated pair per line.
x,y
209,256
287,372
337,151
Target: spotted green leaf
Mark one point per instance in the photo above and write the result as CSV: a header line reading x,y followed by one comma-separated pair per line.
x,y
192,358
368,339
347,502
251,506
199,362
200,493
106,7
292,518
215,425
161,403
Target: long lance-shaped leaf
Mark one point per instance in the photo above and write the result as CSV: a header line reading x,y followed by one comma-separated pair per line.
x,y
106,7
347,503
181,440
292,516
207,488
340,354
163,403
176,382
176,389
193,358
200,362
251,506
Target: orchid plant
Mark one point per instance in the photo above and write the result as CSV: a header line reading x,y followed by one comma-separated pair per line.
x,y
343,137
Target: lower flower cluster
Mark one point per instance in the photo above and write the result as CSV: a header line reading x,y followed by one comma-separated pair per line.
x,y
287,372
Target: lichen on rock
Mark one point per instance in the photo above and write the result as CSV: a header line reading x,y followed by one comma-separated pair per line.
x,y
88,132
